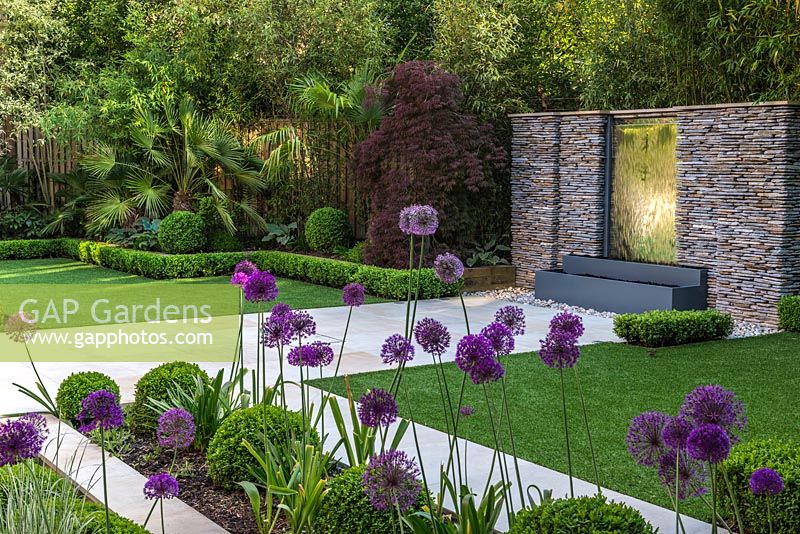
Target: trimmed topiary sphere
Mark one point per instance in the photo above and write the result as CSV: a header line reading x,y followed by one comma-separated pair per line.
x,y
77,387
582,515
328,229
182,232
228,459
156,384
783,457
346,508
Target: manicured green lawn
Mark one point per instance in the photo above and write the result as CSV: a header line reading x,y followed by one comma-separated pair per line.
x,y
620,381
57,279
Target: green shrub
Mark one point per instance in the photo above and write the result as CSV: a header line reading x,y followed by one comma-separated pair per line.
x,y
182,232
662,328
228,460
26,249
346,508
783,457
76,387
789,313
95,515
582,515
156,384
355,254
222,241
327,229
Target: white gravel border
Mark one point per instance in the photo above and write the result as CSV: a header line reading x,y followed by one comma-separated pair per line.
x,y
527,296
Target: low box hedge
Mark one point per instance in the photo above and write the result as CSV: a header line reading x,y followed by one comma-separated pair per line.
x,y
789,313
27,249
662,328
378,281
783,457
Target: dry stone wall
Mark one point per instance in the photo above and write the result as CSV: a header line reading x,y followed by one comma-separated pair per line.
x,y
738,209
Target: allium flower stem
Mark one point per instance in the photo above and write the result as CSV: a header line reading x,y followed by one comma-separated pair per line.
x,y
677,489
454,415
105,478
464,307
588,430
732,494
513,446
237,356
498,453
149,514
769,515
410,272
447,405
566,432
712,470
416,291
419,450
454,442
344,339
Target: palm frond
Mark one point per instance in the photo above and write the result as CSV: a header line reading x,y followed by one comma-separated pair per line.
x,y
313,96
147,194
101,160
109,209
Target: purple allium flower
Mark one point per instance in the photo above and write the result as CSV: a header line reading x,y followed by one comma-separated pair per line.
x,y
569,325
501,338
432,336
281,309
709,443
377,408
448,268
766,481
175,429
161,486
353,295
513,317
100,410
245,267
676,432
486,370
715,405
20,327
391,481
301,324
559,351
299,356
261,286
22,438
239,279
406,215
320,354
396,349
466,411
276,331
419,220
472,350
691,475
644,439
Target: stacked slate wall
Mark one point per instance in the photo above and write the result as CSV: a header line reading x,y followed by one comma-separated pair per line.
x,y
738,209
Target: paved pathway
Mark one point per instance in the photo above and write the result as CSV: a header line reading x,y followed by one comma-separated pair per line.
x,y
370,325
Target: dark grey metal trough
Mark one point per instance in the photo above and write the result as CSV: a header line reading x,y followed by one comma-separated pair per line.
x,y
623,286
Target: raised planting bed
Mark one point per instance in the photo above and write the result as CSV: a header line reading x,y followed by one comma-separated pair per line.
x,y
623,286
489,277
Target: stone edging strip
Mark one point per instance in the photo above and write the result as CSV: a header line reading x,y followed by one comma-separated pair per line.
x,y
125,489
